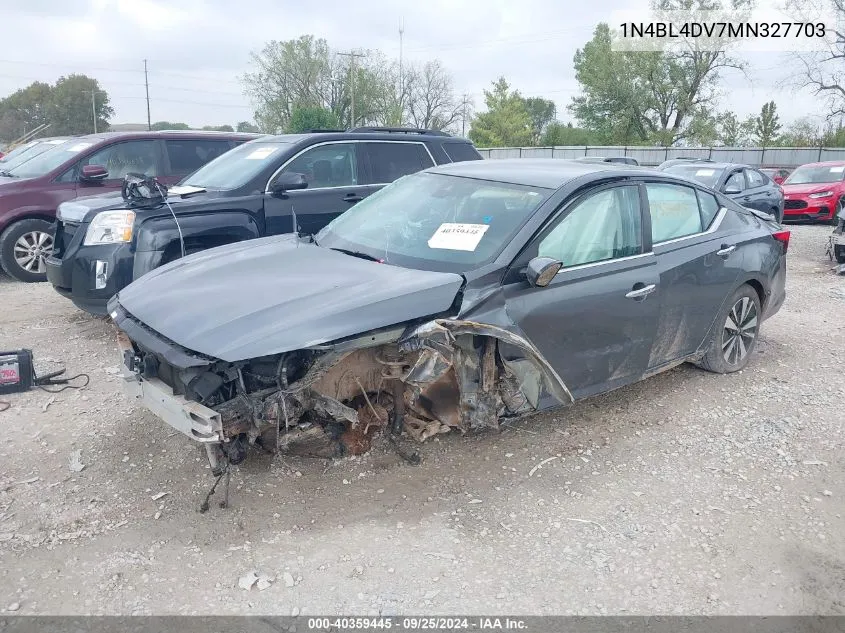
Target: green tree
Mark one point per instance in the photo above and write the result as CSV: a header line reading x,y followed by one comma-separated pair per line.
x,y
560,134
541,112
246,126
311,118
167,125
766,126
74,102
24,110
803,132
506,121
218,128
731,132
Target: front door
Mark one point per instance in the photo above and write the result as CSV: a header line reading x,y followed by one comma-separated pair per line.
x,y
595,322
142,156
334,174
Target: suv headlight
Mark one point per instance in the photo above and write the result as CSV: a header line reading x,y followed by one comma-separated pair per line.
x,y
821,194
110,227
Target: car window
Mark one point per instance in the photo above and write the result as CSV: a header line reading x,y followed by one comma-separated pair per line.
x,y
331,165
709,207
674,211
755,178
606,225
137,157
708,176
51,159
188,155
736,181
389,161
458,152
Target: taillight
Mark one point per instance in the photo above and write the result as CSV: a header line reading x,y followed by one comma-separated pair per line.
x,y
783,238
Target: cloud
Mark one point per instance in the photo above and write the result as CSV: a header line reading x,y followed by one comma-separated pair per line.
x,y
198,49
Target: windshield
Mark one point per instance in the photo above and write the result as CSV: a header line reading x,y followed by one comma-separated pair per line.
x,y
21,154
236,167
54,157
708,176
435,221
809,174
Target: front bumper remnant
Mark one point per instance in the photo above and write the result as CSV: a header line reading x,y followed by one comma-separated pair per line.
x,y
198,422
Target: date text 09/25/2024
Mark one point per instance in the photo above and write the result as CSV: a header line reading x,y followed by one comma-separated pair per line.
x,y
432,623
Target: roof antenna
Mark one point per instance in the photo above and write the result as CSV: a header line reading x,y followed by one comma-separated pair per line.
x,y
295,225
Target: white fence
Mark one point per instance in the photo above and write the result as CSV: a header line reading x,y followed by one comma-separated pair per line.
x,y
761,156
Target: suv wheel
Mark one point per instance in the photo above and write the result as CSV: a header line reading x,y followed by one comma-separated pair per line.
x,y
23,248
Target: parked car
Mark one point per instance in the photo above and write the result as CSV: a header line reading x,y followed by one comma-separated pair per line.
x,y
776,174
815,192
26,151
450,299
31,191
624,160
742,183
682,159
101,244
837,239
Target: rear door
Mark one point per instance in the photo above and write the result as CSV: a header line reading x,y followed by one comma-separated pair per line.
x,y
595,322
698,263
389,160
335,178
759,193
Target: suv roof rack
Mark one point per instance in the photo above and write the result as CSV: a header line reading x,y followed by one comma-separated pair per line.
x,y
323,130
401,130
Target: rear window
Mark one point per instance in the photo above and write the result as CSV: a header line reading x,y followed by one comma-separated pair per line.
x,y
458,152
188,155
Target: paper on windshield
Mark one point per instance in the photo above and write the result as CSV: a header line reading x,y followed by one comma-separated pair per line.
x,y
837,170
705,172
57,141
78,147
458,237
261,153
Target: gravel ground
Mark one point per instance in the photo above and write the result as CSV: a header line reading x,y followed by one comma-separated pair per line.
x,y
688,493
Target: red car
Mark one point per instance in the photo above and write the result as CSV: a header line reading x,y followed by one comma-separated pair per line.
x,y
777,174
815,191
85,166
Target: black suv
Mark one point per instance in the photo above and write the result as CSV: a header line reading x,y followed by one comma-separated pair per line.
x,y
102,244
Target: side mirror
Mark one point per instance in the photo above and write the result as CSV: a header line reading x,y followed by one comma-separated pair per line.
x,y
541,271
93,173
288,181
732,189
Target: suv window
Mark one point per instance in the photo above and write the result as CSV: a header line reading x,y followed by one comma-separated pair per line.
x,y
735,180
607,225
389,161
674,211
458,152
138,157
755,178
330,165
188,155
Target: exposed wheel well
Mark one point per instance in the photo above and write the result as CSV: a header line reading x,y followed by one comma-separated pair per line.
x,y
758,288
29,216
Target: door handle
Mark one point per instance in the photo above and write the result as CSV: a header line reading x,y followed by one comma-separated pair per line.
x,y
726,250
642,292
352,197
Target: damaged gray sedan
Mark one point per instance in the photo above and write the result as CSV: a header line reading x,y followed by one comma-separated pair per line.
x,y
450,300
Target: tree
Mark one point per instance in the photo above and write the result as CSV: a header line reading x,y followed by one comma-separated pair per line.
x,y
561,134
167,125
74,102
218,128
247,127
506,121
766,126
648,96
802,132
24,110
541,112
311,118
430,102
731,132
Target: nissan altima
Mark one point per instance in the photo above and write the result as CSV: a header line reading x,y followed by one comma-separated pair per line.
x,y
452,299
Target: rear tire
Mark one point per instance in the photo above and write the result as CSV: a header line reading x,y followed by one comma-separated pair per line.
x,y
835,219
839,254
736,331
23,248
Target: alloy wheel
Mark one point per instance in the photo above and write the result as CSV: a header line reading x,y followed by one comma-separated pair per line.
x,y
31,249
740,331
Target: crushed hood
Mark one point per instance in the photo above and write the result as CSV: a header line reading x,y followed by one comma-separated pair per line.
x,y
270,295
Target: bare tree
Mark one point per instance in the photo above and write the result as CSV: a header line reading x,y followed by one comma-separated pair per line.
x,y
430,102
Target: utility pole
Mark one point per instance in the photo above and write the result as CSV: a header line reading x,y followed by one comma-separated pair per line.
x,y
464,116
147,88
352,56
94,107
401,80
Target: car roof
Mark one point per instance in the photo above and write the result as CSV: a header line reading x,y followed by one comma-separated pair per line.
x,y
549,173
108,136
359,135
709,165
827,163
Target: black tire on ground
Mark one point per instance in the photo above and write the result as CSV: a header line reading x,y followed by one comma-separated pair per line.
x,y
736,331
835,219
839,254
23,247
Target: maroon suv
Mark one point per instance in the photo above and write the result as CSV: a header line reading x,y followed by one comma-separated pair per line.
x,y
87,166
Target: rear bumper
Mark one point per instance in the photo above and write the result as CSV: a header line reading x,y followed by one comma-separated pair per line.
x,y
190,418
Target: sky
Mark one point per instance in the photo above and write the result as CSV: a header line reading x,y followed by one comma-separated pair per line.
x,y
198,49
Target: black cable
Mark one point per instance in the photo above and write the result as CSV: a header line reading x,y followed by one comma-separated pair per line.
x,y
63,381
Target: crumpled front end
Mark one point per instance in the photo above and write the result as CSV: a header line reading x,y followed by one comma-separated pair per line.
x,y
333,399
